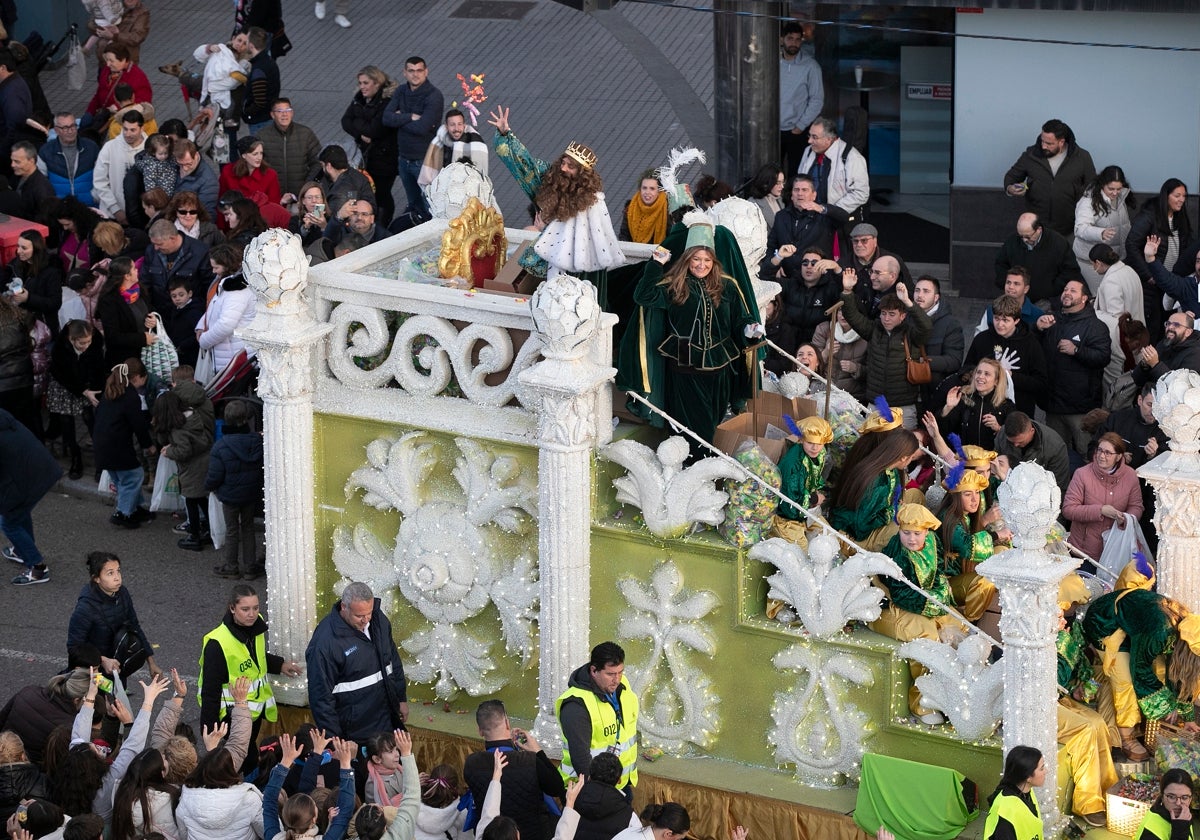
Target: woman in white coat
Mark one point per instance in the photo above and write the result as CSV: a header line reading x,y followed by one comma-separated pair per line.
x,y
230,309
216,804
1102,216
1120,288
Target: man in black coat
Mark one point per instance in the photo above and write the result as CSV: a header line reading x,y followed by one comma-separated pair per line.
x,y
33,196
1052,174
946,343
802,224
27,472
806,299
1078,346
172,255
1046,254
529,780
1180,348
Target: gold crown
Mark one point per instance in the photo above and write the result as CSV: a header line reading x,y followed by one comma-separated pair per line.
x,y
582,155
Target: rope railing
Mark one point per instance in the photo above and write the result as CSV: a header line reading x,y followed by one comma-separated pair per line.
x,y
820,520
812,374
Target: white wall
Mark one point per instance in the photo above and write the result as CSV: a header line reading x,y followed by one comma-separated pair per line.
x,y
1139,109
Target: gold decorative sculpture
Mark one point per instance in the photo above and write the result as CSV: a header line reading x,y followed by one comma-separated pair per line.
x,y
474,246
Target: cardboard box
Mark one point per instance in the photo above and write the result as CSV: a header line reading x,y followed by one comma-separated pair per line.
x,y
770,411
513,278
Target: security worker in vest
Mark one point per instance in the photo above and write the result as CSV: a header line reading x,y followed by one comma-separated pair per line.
x,y
598,713
238,648
1013,812
1171,814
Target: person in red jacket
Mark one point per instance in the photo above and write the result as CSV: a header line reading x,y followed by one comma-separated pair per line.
x,y
249,175
118,68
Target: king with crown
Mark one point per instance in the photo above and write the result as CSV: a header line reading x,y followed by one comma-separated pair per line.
x,y
578,237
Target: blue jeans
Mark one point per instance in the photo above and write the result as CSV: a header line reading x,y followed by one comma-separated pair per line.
x,y
409,170
18,527
129,489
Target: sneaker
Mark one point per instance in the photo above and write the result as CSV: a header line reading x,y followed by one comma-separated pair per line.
x,y
227,572
10,553
1096,820
31,576
182,528
342,21
319,10
190,543
144,515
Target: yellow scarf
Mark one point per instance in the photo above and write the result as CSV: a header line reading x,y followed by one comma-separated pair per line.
x,y
647,224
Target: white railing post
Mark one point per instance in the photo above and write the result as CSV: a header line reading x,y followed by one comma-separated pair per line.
x,y
1175,477
1027,576
568,386
286,336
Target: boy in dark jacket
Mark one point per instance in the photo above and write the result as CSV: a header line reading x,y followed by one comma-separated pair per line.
x,y
181,319
190,425
235,474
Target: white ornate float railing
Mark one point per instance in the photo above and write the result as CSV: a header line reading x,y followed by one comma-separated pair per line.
x,y
455,354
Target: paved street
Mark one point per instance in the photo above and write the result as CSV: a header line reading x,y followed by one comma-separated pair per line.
x,y
177,597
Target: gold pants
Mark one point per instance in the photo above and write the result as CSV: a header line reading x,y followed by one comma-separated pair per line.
x,y
1087,753
904,626
974,594
1117,700
792,530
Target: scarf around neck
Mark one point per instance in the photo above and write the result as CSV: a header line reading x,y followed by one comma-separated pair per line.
x,y
131,294
647,224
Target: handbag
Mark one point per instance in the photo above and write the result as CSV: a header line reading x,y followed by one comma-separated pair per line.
x,y
1120,545
205,367
916,370
160,358
130,651
76,65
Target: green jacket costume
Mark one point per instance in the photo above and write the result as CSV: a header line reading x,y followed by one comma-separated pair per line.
x,y
966,547
801,477
641,368
922,568
877,508
1149,634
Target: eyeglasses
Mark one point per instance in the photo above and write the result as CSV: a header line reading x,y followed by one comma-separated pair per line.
x,y
1177,325
859,240
809,262
282,110
71,127
1106,451
1182,797
185,212
876,272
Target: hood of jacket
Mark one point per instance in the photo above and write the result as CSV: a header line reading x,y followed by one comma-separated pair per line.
x,y
190,394
21,780
437,820
217,811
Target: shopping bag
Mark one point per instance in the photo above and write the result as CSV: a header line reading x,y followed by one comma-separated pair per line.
x,y
160,358
205,367
76,65
216,520
106,485
166,495
1120,545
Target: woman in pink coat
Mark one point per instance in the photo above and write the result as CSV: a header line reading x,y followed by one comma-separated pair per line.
x,y
1099,494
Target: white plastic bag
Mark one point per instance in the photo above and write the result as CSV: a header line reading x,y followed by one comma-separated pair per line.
x,y
107,486
166,494
160,358
76,65
216,520
1120,545
205,367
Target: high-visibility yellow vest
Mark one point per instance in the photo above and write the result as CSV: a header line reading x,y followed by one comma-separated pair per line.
x,y
1026,824
608,733
1159,827
239,663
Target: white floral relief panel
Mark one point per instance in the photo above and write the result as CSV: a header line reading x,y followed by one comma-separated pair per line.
x,y
818,727
448,560
679,707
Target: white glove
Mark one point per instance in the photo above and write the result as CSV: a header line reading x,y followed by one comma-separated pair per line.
x,y
1009,360
755,331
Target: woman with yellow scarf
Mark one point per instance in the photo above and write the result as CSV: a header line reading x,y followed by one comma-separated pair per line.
x,y
646,217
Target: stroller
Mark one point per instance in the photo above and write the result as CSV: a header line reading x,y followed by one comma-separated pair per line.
x,y
237,380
